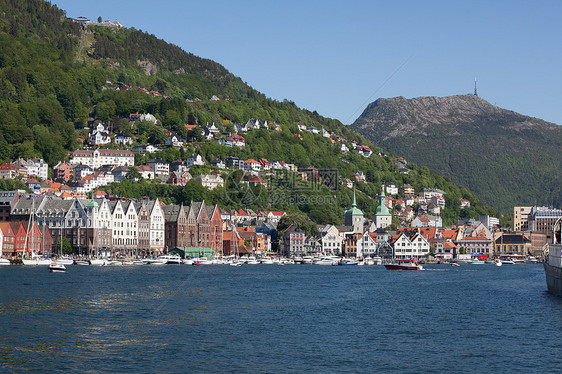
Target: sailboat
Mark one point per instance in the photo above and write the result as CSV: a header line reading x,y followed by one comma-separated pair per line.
x,y
35,259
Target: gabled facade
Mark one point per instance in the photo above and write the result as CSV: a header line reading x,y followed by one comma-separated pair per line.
x,y
123,138
367,245
332,241
8,239
157,227
215,228
175,226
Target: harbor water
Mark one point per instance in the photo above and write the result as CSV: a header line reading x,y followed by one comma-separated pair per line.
x,y
278,319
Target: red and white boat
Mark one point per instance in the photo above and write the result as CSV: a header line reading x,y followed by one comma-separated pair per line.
x,y
406,264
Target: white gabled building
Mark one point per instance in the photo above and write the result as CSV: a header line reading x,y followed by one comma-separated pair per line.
x,y
117,226
366,246
157,226
389,188
194,160
123,138
100,135
331,240
415,247
131,225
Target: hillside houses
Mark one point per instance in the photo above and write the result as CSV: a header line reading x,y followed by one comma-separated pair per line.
x,y
100,135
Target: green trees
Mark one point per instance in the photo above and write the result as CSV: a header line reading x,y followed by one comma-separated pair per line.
x,y
298,220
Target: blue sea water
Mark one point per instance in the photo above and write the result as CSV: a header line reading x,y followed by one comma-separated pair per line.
x,y
278,319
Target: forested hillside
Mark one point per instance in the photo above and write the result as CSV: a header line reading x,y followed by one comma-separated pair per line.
x,y
58,78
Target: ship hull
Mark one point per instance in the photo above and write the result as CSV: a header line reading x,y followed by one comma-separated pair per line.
x,y
553,279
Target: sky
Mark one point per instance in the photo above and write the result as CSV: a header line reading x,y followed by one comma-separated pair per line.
x,y
336,57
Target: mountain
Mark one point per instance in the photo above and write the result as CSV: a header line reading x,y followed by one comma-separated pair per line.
x,y
506,158
58,78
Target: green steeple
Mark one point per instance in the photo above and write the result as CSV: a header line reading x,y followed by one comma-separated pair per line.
x,y
354,210
382,210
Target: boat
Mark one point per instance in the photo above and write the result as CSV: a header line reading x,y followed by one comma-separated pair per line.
x,y
82,262
97,262
56,267
553,261
455,264
328,260
139,262
266,260
36,260
498,262
531,260
406,264
477,262
170,259
65,260
507,261
4,261
347,262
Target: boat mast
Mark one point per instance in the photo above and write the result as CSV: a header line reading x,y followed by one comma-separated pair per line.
x,y
29,221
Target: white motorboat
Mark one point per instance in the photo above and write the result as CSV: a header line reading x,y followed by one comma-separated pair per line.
x,y
266,260
97,262
497,263
455,264
139,262
507,262
347,261
56,267
234,263
328,260
477,262
171,259
82,262
531,260
4,261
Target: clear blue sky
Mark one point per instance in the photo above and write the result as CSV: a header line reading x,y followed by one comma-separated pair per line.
x,y
337,56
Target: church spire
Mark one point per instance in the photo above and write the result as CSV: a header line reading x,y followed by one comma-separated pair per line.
x,y
354,204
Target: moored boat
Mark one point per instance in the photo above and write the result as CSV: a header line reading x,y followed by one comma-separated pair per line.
x,y
328,260
56,267
4,261
406,264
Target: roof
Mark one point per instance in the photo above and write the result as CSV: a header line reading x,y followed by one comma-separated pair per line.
x,y
475,238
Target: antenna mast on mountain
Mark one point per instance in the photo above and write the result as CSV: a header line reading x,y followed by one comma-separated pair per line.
x,y
475,92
